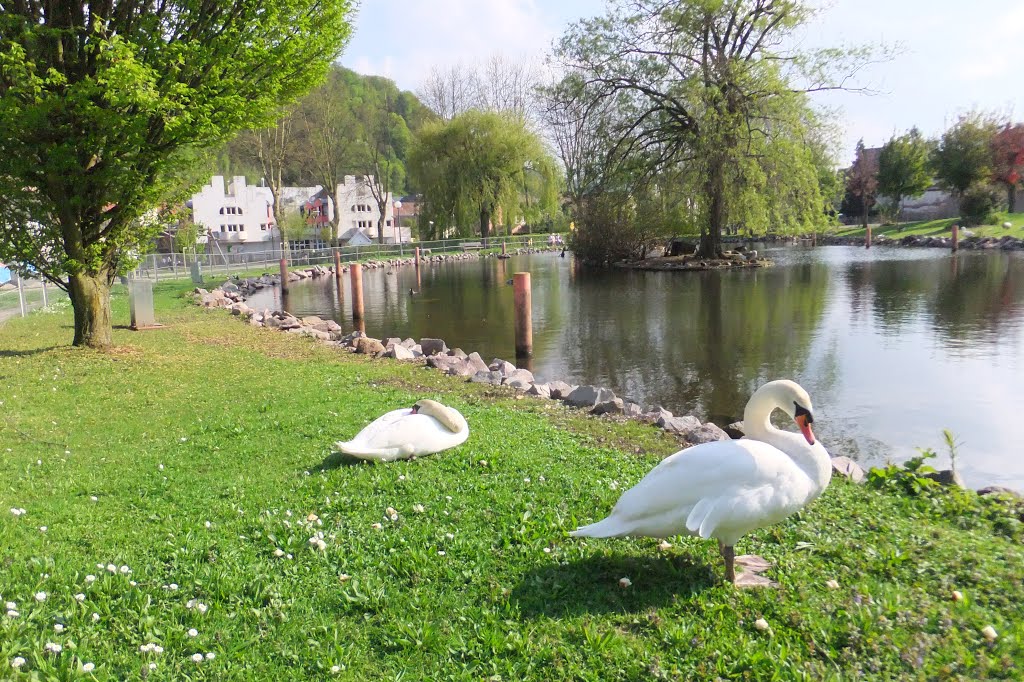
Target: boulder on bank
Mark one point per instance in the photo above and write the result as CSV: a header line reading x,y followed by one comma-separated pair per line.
x,y
680,426
559,390
433,346
844,466
368,346
487,377
706,433
588,397
520,379
613,406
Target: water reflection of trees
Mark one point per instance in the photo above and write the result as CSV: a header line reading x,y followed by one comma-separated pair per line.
x,y
971,297
700,340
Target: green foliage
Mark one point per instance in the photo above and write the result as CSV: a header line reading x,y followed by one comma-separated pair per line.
x,y
186,236
978,204
696,89
511,596
472,170
99,112
963,157
903,167
909,478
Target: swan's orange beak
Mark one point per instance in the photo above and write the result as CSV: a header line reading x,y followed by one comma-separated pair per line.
x,y
805,428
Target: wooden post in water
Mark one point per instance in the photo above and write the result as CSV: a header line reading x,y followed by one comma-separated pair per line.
x,y
284,274
867,239
956,237
417,257
357,291
337,265
523,314
503,251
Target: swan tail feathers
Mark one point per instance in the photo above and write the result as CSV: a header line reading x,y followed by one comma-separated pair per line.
x,y
362,452
607,528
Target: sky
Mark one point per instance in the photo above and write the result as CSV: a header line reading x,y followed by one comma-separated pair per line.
x,y
951,56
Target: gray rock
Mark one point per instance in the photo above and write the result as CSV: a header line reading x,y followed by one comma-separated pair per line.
x,y
487,377
392,341
632,410
681,426
539,390
417,351
368,346
477,362
844,466
613,406
559,390
999,490
433,346
658,415
520,379
589,396
271,322
947,477
409,343
230,287
457,353
735,430
499,365
707,433
201,291
400,352
450,365
311,320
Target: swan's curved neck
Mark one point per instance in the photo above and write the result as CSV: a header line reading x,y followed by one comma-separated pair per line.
x,y
813,460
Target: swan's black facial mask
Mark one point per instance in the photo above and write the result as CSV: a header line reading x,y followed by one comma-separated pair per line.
x,y
802,411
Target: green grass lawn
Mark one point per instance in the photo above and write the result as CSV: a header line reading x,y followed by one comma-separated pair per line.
x,y
938,228
194,461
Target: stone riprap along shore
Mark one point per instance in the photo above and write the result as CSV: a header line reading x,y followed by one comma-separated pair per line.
x,y
435,353
973,243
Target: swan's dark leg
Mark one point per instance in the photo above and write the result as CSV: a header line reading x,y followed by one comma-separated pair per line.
x,y
729,554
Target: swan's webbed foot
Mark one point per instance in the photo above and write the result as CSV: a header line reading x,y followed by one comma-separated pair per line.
x,y
750,576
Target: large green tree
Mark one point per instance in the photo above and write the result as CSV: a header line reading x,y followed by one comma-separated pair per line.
x,y
471,170
903,167
963,156
714,85
100,104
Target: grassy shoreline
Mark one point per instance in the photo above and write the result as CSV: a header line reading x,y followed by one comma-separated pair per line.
x,y
212,421
936,228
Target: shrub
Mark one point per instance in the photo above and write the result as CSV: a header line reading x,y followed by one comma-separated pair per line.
x,y
978,205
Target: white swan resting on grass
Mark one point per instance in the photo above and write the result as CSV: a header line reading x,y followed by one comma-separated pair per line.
x,y
728,488
424,429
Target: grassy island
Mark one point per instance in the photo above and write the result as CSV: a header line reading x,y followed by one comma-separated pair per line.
x,y
158,502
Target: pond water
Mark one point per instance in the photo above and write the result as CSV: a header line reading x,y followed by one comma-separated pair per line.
x,y
893,345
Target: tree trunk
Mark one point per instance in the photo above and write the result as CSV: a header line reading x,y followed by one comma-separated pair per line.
x,y
485,221
864,203
1011,198
711,242
380,227
90,298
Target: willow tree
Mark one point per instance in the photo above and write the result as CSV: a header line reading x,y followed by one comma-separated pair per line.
x,y
471,170
717,86
101,103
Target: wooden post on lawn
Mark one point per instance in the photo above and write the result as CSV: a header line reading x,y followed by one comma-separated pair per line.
x,y
523,314
337,265
284,274
357,291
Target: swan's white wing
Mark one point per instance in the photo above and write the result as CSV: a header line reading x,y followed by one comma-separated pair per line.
x,y
711,489
402,433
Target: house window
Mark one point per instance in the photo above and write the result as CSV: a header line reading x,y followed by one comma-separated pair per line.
x,y
223,228
388,223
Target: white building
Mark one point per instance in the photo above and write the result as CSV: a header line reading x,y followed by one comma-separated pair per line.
x,y
237,216
359,210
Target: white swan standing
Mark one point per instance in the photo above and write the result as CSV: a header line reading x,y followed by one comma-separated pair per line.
x,y
424,429
726,489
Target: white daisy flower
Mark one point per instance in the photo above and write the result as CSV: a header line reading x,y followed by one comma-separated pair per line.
x,y
210,656
418,508
625,582
79,597
193,632
93,498
376,526
761,624
125,570
42,529
12,613
10,605
58,628
88,667
201,608
209,525
173,586
53,648
95,617
152,666
40,596
198,658
90,578
111,568
17,662
335,669
989,633
278,552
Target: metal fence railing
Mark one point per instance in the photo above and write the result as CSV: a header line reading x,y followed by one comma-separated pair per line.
x,y
21,296
157,266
